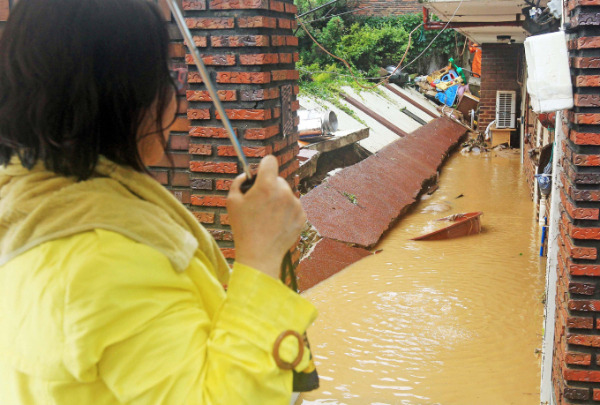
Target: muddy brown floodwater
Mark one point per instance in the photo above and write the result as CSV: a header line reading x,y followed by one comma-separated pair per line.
x,y
445,322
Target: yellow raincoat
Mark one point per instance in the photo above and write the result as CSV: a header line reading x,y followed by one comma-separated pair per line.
x,y
111,293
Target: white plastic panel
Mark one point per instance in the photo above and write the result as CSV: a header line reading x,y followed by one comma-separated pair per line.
x,y
549,78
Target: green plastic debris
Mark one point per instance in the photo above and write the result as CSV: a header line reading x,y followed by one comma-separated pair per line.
x,y
458,69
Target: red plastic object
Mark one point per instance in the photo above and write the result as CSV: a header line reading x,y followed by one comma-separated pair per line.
x,y
467,224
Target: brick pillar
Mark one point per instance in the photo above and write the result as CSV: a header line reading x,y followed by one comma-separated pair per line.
x,y
501,65
576,362
250,51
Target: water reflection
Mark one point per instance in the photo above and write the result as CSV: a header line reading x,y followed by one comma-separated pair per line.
x,y
446,322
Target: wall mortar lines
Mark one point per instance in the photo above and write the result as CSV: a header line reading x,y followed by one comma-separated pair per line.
x,y
576,356
250,52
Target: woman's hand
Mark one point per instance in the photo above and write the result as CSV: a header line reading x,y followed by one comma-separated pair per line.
x,y
266,221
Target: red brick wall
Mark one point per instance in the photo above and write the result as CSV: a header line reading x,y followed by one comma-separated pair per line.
x,y
501,65
576,365
387,7
250,52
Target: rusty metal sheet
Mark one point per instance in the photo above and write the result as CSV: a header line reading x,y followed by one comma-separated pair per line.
x,y
361,202
327,259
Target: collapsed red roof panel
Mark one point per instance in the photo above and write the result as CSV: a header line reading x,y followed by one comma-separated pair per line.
x,y
361,202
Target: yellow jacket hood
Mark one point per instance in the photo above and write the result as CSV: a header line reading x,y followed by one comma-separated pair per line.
x,y
97,306
37,206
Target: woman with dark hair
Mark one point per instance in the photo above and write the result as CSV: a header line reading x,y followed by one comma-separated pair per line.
x,y
110,291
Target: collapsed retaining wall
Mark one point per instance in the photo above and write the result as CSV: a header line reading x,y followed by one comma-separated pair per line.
x,y
360,203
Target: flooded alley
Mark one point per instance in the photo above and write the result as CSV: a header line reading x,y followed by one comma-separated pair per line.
x,y
444,322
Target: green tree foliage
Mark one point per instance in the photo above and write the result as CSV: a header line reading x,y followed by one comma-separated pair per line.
x,y
369,48
447,45
370,43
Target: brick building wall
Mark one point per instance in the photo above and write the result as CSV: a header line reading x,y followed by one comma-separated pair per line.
x,y
576,362
250,52
501,68
386,7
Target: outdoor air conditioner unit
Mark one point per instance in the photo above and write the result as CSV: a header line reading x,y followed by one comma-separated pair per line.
x,y
505,109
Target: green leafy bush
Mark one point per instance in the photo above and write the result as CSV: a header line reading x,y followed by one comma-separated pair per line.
x,y
326,82
369,48
447,44
370,43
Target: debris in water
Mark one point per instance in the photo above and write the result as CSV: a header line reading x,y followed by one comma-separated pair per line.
x,y
468,224
453,217
432,189
460,196
475,145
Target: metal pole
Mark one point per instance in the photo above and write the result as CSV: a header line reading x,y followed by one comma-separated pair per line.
x,y
209,85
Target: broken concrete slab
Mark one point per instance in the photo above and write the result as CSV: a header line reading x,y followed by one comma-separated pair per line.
x,y
340,139
327,258
388,105
308,162
393,107
361,202
379,135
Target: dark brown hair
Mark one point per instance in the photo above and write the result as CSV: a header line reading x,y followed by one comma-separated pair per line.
x,y
76,79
